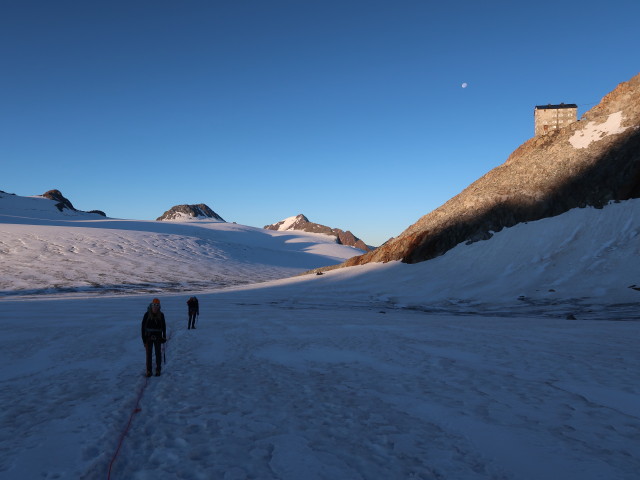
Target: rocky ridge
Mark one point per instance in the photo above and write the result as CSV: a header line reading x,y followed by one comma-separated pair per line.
x,y
300,222
587,163
190,212
63,202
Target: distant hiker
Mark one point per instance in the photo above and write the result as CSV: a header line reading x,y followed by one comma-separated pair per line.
x,y
194,311
154,334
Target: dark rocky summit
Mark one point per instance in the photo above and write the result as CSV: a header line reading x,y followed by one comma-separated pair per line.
x,y
57,196
300,222
185,212
587,163
63,202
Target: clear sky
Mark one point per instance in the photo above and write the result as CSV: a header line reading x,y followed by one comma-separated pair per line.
x,y
350,112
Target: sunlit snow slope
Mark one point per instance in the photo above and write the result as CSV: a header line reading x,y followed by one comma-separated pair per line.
x,y
44,250
585,256
585,260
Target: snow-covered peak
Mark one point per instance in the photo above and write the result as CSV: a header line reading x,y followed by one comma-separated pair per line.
x,y
302,223
290,223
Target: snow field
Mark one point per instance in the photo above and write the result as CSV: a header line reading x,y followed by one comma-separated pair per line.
x,y
272,389
115,256
463,367
582,262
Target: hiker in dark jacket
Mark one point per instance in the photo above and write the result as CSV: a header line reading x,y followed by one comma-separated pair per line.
x,y
194,311
154,334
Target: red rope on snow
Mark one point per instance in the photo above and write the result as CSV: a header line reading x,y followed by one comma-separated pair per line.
x,y
136,409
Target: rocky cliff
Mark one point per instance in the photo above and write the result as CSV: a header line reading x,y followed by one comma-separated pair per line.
x,y
63,202
190,212
56,196
588,163
300,222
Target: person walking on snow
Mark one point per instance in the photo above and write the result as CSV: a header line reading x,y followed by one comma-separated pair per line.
x,y
154,334
194,311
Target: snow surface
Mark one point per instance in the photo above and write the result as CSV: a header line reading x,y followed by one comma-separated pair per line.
x,y
594,132
463,367
288,222
184,217
51,252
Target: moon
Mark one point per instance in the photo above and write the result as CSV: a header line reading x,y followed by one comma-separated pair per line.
x,y
465,85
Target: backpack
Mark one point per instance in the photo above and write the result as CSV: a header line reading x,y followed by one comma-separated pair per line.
x,y
150,331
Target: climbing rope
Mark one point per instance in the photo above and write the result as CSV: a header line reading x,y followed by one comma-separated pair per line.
x,y
136,409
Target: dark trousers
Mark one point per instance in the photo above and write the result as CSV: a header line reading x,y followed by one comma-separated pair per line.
x,y
192,319
158,347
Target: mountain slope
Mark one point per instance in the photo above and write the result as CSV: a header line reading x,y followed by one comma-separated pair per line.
x,y
47,250
64,203
302,223
187,213
463,367
585,261
589,162
278,380
48,206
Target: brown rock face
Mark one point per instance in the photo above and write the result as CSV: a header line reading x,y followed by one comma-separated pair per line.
x,y
300,222
588,163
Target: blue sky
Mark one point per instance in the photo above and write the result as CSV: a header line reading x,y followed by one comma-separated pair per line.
x,y
350,112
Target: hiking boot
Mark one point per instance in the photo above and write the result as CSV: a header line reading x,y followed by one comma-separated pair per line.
x,y
157,372
148,373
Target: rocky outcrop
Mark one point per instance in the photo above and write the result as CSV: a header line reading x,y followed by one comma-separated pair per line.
x,y
63,202
348,238
190,212
300,222
57,196
587,163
